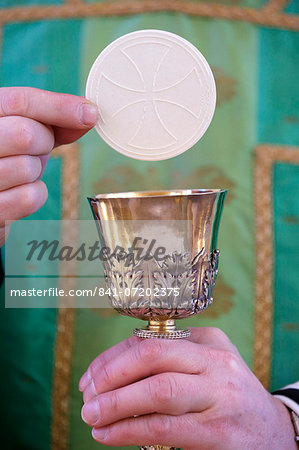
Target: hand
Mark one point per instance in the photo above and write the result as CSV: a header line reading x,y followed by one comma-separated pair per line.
x,y
32,123
192,394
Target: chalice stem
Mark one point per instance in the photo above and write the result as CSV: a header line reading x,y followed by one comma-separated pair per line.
x,y
161,329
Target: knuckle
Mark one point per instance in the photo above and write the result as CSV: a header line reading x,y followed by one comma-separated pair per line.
x,y
60,102
126,434
30,197
33,197
14,102
95,367
29,168
230,360
159,426
97,364
92,370
218,334
90,391
162,389
149,350
210,356
23,136
106,373
113,402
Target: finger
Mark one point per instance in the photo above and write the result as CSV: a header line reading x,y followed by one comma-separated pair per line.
x,y
213,337
172,431
204,335
52,108
4,231
17,170
21,201
20,135
167,393
147,357
99,362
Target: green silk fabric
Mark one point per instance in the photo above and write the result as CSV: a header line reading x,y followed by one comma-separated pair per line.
x,y
256,72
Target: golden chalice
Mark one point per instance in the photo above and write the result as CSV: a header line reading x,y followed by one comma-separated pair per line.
x,y
162,257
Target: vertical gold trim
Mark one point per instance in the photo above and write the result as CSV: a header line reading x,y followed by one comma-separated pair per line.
x,y
65,316
265,157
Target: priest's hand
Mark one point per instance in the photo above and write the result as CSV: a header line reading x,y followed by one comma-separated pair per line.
x,y
192,394
32,123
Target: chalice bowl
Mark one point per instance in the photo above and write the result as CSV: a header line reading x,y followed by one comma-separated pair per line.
x,y
161,259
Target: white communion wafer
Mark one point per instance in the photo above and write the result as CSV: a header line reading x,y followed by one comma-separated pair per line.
x,y
155,92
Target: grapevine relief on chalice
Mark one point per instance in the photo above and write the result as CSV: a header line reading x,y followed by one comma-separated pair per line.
x,y
177,287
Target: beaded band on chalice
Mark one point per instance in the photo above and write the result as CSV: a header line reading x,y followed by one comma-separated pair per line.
x,y
176,279
158,447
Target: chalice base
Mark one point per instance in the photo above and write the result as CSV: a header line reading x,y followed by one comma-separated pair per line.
x,y
162,329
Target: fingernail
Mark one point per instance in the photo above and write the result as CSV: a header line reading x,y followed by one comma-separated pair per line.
x,y
89,392
90,412
88,114
99,434
84,381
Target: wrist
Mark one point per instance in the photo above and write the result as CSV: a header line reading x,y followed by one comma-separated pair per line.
x,y
285,426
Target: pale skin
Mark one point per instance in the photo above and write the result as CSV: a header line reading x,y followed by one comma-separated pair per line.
x,y
196,394
32,123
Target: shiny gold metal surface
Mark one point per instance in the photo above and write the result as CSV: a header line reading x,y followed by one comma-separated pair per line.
x,y
183,222
202,207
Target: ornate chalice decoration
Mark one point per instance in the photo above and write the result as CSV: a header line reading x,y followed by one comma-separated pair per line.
x,y
176,276
158,286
